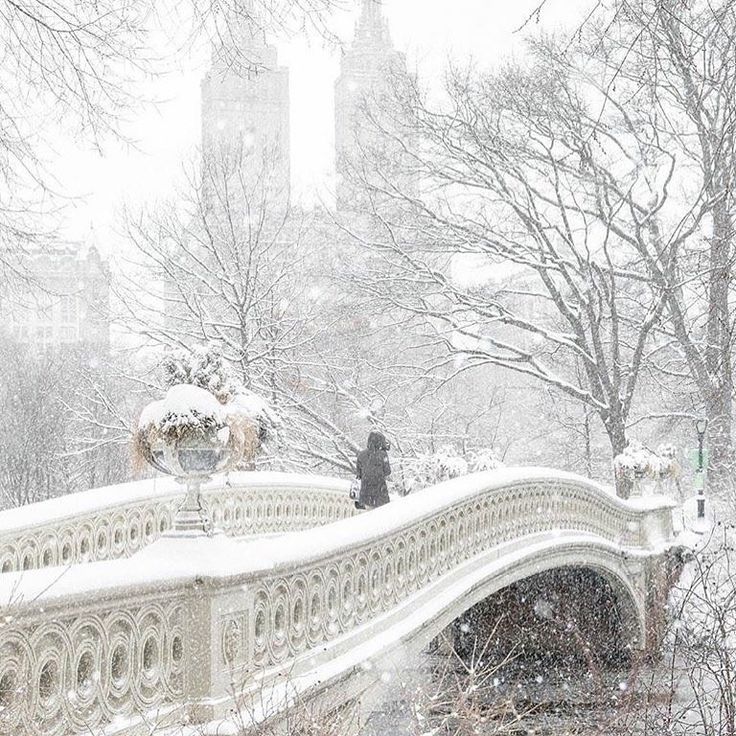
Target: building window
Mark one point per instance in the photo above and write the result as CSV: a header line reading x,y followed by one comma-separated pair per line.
x,y
68,309
68,334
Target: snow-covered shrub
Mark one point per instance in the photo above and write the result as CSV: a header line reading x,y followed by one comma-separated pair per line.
x,y
428,469
483,459
202,366
205,366
186,411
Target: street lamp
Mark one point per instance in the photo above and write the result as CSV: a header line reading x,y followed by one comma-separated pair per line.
x,y
701,425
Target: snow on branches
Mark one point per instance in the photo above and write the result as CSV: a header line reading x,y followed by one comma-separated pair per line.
x,y
201,366
429,469
185,410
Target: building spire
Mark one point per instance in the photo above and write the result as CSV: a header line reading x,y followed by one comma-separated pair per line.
x,y
371,11
245,101
368,70
372,27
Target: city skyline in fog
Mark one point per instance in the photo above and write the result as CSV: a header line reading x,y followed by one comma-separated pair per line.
x,y
166,134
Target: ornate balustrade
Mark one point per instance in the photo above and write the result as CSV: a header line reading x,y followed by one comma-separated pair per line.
x,y
116,522
199,617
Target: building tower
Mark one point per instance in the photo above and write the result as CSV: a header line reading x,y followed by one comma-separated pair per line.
x,y
365,76
245,106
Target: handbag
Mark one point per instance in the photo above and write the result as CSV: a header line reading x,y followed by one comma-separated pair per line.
x,y
355,489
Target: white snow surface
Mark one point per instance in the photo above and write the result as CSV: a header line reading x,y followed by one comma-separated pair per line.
x,y
247,404
170,563
183,404
650,503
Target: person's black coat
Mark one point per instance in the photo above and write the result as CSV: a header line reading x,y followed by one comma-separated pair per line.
x,y
373,468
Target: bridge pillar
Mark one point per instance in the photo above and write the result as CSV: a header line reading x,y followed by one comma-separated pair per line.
x,y
661,575
216,621
216,639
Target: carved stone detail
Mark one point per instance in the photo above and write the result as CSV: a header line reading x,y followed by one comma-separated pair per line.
x,y
80,672
106,534
232,641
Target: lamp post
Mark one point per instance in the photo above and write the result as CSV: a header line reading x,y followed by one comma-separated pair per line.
x,y
700,426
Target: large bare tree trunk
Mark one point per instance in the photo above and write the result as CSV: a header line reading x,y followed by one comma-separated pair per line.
x,y
616,429
718,353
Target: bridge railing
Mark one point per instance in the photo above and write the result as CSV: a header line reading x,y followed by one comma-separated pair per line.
x,y
118,521
187,618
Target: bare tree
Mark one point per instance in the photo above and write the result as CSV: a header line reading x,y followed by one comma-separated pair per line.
x,y
49,443
500,186
237,265
667,71
68,64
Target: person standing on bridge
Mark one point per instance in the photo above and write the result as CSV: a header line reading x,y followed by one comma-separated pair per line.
x,y
372,470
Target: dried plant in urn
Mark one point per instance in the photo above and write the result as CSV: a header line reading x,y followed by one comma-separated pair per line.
x,y
206,423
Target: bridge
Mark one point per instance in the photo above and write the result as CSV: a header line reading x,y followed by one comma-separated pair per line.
x,y
110,622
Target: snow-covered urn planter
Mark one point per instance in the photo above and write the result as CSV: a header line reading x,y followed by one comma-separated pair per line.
x,y
188,435
246,413
666,469
633,462
637,463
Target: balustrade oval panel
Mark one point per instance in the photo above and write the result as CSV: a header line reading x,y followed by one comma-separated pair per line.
x,y
116,522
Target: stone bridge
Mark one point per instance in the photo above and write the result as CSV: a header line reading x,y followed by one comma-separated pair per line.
x,y
111,624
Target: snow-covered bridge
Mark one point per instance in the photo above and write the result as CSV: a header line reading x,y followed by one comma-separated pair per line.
x,y
108,622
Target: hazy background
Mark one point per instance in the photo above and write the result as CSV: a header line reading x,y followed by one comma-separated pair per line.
x,y
164,133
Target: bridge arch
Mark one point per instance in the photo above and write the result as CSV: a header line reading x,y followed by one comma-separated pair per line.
x,y
305,612
605,570
551,554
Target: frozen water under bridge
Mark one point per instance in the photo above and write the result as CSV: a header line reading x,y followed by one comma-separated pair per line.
x,y
109,624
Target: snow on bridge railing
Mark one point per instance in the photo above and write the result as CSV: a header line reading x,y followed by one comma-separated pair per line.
x,y
177,624
117,521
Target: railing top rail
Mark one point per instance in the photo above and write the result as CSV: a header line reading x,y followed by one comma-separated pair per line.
x,y
175,564
311,544
108,498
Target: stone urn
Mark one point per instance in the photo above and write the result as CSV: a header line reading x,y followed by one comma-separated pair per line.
x,y
187,435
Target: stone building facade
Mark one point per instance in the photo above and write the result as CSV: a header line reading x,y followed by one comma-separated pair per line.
x,y
63,301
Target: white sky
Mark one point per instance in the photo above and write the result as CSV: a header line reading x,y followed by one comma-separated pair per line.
x,y
430,32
